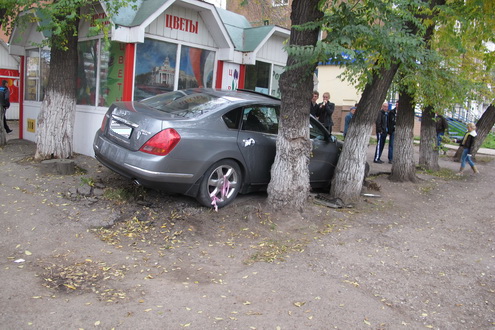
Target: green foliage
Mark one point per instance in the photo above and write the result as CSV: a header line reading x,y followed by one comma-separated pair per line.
x,y
489,141
87,181
442,49
58,19
118,195
460,65
366,36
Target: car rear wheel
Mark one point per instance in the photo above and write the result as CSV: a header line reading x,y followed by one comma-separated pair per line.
x,y
220,184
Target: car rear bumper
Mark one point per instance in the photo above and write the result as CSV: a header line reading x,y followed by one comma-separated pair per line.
x,y
128,164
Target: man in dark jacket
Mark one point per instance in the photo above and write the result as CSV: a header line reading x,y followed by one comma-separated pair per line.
x,y
5,100
326,112
314,107
381,133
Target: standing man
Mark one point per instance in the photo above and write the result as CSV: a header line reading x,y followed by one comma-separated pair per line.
x,y
348,118
381,133
326,112
391,121
5,103
314,107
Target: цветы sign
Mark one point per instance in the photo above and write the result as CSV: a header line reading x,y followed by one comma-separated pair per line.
x,y
179,23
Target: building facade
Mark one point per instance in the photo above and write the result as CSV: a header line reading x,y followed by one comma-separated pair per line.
x,y
160,46
9,71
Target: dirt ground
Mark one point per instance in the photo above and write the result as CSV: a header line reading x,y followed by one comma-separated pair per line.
x,y
89,251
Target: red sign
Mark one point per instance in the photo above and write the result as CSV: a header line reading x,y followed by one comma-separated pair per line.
x,y
101,16
179,23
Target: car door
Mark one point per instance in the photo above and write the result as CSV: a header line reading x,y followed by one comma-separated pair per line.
x,y
257,141
324,155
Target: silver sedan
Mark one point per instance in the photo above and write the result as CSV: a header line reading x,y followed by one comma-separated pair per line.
x,y
205,143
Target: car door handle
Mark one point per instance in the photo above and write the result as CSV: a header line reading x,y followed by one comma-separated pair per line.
x,y
248,142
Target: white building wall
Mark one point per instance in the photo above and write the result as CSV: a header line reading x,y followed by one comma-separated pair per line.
x,y
31,110
272,52
202,37
84,134
341,93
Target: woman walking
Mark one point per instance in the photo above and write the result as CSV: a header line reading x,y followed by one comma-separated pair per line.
x,y
467,143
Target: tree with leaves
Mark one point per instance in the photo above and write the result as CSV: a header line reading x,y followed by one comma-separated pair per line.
x,y
459,68
289,185
378,37
404,168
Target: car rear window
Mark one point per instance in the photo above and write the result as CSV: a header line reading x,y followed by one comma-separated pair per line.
x,y
187,104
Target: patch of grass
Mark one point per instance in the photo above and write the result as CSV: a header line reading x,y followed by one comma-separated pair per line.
x,y
81,171
87,181
443,173
118,194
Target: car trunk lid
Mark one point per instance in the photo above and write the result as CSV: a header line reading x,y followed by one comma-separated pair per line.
x,y
130,124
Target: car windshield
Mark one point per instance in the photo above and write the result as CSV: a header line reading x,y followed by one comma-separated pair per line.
x,y
187,103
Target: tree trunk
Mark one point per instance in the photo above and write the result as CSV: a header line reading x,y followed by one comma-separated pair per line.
x,y
55,125
349,174
289,185
3,133
403,167
483,127
428,150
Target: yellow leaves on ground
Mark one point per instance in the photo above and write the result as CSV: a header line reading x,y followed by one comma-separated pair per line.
x,y
86,276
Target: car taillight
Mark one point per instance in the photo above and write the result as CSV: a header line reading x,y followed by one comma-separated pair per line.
x,y
162,143
104,123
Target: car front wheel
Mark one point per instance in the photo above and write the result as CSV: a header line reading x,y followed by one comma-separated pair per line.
x,y
220,184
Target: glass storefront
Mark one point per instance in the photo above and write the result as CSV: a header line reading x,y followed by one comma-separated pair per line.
x,y
258,77
156,63
87,69
261,77
111,74
108,64
37,70
196,67
155,68
275,87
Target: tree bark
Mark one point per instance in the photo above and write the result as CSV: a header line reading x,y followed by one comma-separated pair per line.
x,y
3,133
347,182
403,167
289,185
55,125
483,127
428,149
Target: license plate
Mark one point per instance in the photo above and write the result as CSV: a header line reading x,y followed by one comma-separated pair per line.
x,y
121,129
